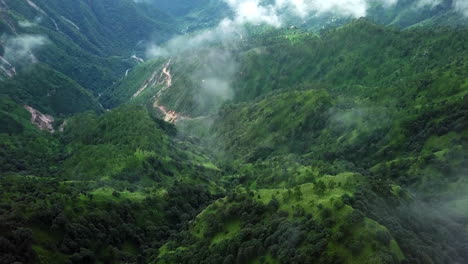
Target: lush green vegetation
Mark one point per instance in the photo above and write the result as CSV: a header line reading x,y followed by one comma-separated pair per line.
x,y
95,192
23,147
406,13
49,91
361,58
301,225
131,145
88,42
345,146
50,221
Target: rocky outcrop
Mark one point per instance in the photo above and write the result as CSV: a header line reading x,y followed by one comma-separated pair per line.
x,y
166,79
40,120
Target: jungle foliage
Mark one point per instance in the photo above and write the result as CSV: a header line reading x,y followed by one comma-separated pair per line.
x,y
348,145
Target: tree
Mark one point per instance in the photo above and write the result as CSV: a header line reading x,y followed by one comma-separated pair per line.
x,y
273,205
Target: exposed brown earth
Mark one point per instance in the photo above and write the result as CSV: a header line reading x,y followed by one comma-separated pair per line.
x,y
40,120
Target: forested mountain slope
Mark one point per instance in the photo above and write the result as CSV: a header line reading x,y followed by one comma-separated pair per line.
x,y
40,39
360,55
324,140
92,43
407,13
106,189
349,92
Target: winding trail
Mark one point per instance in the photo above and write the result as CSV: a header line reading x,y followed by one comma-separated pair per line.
x,y
137,59
38,9
4,16
7,68
4,4
5,19
71,23
7,72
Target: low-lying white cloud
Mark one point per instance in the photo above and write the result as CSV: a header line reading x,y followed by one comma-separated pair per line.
x,y
26,24
461,6
251,11
224,33
219,66
430,3
29,24
215,76
19,49
303,8
255,11
274,13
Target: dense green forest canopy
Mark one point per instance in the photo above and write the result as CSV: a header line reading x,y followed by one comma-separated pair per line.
x,y
212,131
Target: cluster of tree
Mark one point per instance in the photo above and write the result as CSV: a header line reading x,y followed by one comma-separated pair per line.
x,y
266,231
23,148
86,230
15,242
426,232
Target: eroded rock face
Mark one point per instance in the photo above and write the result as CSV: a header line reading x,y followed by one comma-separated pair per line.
x,y
42,121
166,79
163,78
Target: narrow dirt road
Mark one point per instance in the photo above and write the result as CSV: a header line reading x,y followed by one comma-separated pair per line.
x,y
38,9
6,67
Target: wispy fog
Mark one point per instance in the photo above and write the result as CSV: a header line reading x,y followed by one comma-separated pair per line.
x,y
231,30
20,49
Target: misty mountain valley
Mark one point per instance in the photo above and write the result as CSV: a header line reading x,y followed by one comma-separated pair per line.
x,y
234,131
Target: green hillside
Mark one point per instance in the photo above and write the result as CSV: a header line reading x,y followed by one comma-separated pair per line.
x,y
355,90
91,42
305,224
337,140
49,91
125,160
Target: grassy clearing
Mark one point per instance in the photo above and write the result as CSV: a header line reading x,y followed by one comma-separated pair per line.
x,y
231,229
313,198
105,194
200,222
267,259
45,256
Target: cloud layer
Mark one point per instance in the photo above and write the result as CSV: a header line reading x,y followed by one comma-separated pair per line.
x,y
254,11
19,49
274,13
461,6
219,66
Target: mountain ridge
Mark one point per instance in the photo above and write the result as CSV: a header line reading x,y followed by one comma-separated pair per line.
x,y
327,140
